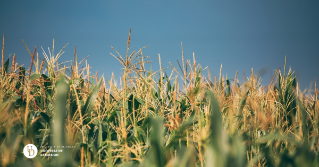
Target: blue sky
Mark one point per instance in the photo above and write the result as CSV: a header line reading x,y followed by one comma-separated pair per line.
x,y
241,34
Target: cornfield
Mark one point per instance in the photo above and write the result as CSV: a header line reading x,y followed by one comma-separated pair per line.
x,y
152,118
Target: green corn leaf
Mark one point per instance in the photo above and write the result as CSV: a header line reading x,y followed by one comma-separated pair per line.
x,y
242,105
21,74
268,156
78,82
198,77
216,153
100,139
21,78
304,127
58,124
34,76
132,103
185,157
154,93
169,87
228,87
88,107
6,67
111,98
277,136
45,117
237,152
156,154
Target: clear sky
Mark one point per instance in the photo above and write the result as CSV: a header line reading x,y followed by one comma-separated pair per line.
x,y
240,34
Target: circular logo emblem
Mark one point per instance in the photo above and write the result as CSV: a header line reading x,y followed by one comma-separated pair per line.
x,y
30,151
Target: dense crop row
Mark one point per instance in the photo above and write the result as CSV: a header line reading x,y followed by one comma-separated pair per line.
x,y
152,119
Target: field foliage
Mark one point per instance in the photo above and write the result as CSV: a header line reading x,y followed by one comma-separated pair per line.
x,y
151,118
